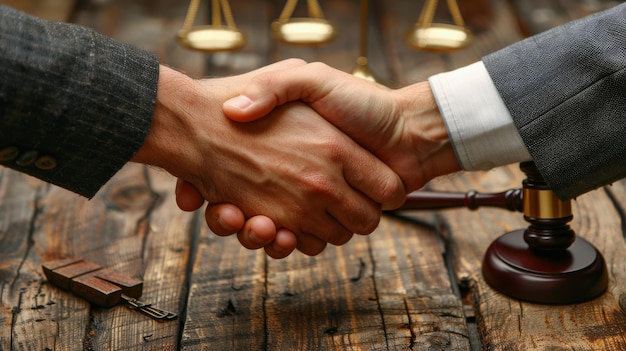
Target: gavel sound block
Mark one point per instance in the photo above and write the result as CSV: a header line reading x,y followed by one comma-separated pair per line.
x,y
544,263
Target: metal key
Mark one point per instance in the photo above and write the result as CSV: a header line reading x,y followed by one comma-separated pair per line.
x,y
101,286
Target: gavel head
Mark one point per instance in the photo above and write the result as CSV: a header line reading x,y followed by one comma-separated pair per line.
x,y
547,214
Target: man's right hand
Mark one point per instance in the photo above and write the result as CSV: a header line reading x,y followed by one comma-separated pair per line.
x,y
402,127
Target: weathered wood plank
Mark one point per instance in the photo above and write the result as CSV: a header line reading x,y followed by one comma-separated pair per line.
x,y
129,226
21,288
410,272
153,242
615,255
342,298
226,296
337,300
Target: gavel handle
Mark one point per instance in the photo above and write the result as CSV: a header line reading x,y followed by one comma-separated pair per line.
x,y
433,200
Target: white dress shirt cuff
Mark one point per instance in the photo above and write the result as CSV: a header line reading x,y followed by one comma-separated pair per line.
x,y
479,125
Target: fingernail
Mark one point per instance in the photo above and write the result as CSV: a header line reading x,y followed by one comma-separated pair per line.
x,y
240,102
224,225
255,239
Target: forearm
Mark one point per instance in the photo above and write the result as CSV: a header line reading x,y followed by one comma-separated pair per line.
x,y
71,94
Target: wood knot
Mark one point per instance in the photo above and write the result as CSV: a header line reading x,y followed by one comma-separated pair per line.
x,y
133,198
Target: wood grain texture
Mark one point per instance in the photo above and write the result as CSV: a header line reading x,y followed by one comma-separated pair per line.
x,y
414,284
390,290
130,226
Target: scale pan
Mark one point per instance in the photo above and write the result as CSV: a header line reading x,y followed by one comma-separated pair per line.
x,y
212,38
304,31
439,37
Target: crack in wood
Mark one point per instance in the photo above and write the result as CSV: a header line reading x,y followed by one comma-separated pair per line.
x,y
379,307
618,207
29,239
410,324
194,233
360,272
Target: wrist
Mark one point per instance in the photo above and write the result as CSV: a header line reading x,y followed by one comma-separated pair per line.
x,y
165,142
427,130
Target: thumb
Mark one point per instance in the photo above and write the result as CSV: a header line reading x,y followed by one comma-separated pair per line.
x,y
268,90
188,198
244,109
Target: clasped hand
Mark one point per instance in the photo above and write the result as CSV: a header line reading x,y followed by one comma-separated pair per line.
x,y
282,177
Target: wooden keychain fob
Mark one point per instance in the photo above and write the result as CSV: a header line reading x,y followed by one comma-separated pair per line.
x,y
101,286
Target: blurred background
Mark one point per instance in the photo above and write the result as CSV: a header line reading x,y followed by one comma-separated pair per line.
x,y
155,24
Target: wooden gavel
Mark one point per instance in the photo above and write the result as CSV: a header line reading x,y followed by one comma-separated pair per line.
x,y
543,263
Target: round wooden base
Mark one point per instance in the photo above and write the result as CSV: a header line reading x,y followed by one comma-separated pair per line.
x,y
558,277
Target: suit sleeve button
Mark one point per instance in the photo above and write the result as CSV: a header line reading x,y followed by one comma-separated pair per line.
x,y
46,162
9,153
27,158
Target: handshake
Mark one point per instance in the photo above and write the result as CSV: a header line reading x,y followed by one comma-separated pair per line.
x,y
295,155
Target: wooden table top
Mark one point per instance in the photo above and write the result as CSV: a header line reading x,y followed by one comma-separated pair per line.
x,y
414,284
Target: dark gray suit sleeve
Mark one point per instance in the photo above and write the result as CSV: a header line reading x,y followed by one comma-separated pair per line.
x,y
566,91
74,105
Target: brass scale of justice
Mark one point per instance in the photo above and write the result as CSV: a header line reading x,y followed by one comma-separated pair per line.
x,y
543,263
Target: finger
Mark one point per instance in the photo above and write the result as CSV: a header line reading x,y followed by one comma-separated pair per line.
x,y
329,228
369,185
283,245
374,179
224,219
258,232
188,198
344,215
310,245
274,67
280,65
271,89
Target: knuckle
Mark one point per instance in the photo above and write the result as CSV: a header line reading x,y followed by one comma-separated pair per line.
x,y
334,146
312,250
363,218
295,62
317,65
341,238
369,224
392,191
320,185
263,80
